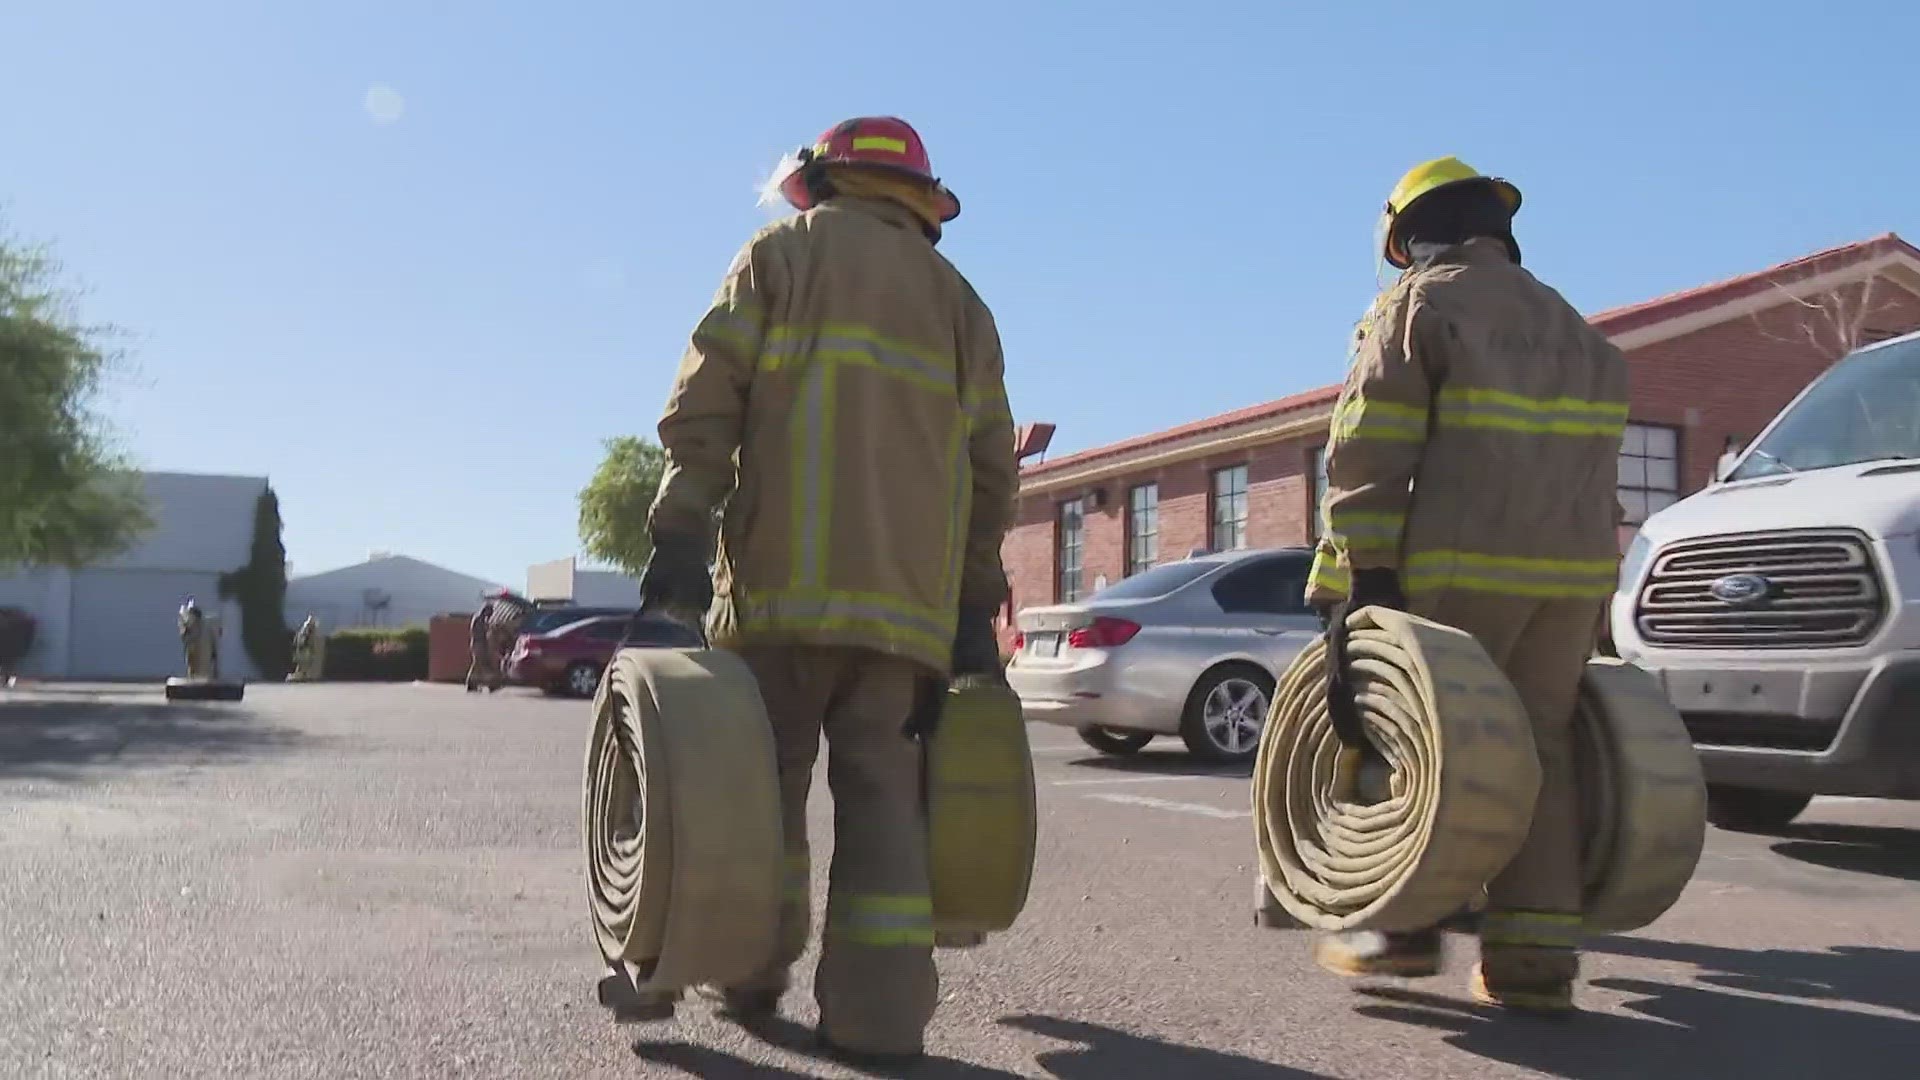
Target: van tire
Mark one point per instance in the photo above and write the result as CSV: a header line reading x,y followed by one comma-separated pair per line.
x,y
1753,810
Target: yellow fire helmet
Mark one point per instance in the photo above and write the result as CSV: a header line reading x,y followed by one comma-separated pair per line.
x,y
1421,180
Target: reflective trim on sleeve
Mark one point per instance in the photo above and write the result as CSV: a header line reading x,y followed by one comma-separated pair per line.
x,y
737,325
1328,575
1373,528
1388,421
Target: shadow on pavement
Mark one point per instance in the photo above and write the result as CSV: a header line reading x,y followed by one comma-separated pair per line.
x,y
705,1061
1866,849
1161,763
1107,1054
1680,1031
63,739
1886,978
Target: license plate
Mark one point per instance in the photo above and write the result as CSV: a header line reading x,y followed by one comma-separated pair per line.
x,y
1045,646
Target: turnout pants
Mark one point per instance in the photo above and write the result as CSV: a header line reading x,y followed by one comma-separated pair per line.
x,y
484,669
1532,921
875,984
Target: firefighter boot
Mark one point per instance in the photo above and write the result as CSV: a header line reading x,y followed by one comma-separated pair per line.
x,y
752,1001
1531,980
1411,955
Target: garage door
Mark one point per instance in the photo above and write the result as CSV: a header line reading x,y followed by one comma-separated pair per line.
x,y
123,624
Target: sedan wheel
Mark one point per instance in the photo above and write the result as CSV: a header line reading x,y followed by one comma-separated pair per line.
x,y
1116,743
1226,714
583,680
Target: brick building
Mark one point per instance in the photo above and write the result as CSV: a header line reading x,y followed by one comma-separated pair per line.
x,y
1706,364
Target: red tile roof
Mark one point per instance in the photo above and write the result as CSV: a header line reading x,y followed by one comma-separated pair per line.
x,y
1613,321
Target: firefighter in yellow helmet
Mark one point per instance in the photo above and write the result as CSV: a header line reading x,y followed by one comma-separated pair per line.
x,y
843,400
1471,480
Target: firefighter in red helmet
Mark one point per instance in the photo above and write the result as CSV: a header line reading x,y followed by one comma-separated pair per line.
x,y
843,399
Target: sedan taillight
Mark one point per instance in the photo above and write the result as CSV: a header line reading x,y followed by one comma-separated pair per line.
x,y
1106,632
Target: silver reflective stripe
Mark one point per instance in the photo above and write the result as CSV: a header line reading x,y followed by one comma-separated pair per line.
x,y
840,608
810,480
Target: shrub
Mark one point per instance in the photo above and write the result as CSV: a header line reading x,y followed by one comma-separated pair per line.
x,y
261,587
375,655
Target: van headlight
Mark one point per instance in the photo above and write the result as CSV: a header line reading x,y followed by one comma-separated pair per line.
x,y
1634,561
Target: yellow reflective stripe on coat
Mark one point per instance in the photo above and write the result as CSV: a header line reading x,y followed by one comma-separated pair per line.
x,y
737,325
1378,528
1431,571
812,475
1500,410
883,920
861,347
1389,421
910,624
1328,574
1530,929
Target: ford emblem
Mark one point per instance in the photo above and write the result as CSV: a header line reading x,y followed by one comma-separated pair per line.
x,y
1741,588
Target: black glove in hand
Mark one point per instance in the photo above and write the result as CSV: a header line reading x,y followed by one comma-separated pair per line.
x,y
676,576
1372,587
1376,587
976,648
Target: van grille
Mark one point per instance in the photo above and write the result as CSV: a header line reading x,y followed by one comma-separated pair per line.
x,y
1821,591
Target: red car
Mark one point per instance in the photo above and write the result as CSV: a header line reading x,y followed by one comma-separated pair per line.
x,y
570,659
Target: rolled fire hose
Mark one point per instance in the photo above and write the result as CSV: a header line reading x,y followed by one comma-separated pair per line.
x,y
1401,837
682,817
982,822
1643,796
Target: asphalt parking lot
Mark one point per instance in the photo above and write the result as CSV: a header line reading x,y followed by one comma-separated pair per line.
x,y
386,881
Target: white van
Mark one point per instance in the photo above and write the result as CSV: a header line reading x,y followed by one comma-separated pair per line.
x,y
1780,607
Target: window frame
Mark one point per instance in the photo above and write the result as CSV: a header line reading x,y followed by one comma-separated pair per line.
x,y
1214,496
1062,593
1316,488
1296,566
1135,534
1646,488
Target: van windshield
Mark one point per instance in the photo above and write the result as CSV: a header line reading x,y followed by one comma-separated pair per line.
x,y
1155,583
1867,408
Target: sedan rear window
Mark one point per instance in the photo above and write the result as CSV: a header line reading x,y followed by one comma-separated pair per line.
x,y
1157,582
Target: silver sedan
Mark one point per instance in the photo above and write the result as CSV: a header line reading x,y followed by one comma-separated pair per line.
x,y
1190,648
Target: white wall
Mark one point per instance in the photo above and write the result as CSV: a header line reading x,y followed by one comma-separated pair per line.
x,y
417,590
117,619
605,588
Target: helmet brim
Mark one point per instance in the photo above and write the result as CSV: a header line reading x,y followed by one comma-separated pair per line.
x,y
800,196
1394,250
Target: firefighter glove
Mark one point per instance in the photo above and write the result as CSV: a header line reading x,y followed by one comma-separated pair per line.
x,y
1373,587
976,648
676,577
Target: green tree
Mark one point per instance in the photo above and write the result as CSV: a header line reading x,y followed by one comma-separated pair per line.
x,y
261,588
67,497
614,504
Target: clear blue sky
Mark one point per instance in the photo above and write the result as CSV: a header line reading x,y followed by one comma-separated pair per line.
x,y
1169,212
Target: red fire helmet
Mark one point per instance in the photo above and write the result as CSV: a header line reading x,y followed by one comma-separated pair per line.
x,y
879,142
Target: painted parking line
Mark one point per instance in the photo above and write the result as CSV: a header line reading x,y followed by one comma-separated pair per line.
x,y
1127,780
1197,809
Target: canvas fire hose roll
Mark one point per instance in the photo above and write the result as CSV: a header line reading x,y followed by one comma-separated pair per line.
x,y
1408,839
682,819
1400,837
